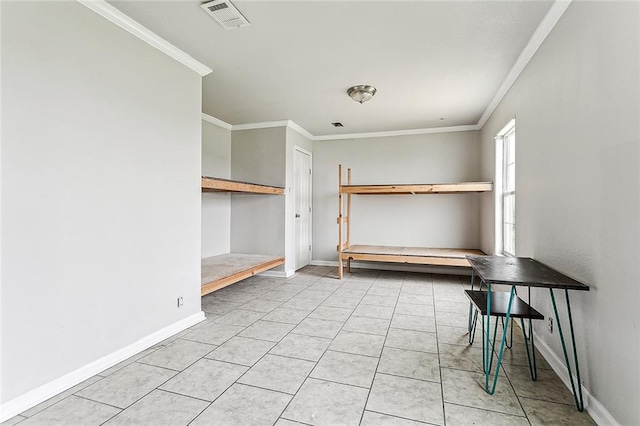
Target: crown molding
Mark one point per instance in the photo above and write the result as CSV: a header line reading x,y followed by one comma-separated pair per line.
x,y
466,128
547,24
210,119
264,125
104,9
283,123
296,127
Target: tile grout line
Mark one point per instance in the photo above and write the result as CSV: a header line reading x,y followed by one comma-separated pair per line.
x,y
291,332
72,394
488,409
315,362
364,408
248,368
332,340
199,359
435,320
404,418
154,389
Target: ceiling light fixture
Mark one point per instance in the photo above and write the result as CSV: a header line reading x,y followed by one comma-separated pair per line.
x,y
361,93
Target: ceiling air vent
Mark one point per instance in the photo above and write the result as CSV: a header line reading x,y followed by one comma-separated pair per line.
x,y
226,14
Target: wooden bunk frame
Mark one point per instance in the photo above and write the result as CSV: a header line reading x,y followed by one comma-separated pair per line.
x,y
412,255
213,184
220,271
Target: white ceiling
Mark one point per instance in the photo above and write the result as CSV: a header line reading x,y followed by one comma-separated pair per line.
x,y
296,60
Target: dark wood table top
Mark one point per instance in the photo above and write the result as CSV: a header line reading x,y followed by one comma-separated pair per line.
x,y
522,271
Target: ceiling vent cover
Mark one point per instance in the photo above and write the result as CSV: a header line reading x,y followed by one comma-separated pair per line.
x,y
226,14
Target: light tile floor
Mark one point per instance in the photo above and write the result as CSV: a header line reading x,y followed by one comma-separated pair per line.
x,y
377,348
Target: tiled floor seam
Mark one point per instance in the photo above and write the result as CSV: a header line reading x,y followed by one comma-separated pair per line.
x,y
435,320
236,381
487,409
261,388
74,394
316,363
364,408
93,400
148,393
404,418
294,421
325,351
268,353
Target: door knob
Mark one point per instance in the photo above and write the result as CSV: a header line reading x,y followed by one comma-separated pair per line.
x,y
297,214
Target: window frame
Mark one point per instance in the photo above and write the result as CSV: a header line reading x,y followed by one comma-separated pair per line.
x,y
505,144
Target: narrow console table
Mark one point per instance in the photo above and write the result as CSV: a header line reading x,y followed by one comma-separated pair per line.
x,y
521,271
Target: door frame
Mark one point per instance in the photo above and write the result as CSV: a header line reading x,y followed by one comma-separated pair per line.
x,y
295,183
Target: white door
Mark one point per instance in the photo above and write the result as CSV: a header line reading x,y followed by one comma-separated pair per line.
x,y
302,196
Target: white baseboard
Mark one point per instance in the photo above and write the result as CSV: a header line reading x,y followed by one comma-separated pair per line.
x,y
32,398
596,410
278,274
404,267
324,263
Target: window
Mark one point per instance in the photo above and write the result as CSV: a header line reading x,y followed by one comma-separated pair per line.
x,y
506,183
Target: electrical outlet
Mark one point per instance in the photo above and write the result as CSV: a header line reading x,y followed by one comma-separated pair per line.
x,y
550,324
180,302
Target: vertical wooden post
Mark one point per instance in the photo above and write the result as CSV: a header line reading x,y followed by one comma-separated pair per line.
x,y
340,221
348,219
348,210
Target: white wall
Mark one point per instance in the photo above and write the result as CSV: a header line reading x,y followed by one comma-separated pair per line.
x,y
577,187
100,191
216,207
258,221
442,220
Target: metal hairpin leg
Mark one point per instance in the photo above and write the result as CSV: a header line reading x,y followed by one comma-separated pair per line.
x,y
472,323
472,333
531,357
577,396
487,361
504,330
492,348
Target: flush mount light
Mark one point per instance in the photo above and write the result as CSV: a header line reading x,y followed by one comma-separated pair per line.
x,y
361,93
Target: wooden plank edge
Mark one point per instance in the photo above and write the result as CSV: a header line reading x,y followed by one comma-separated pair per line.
x,y
276,191
209,184
239,276
417,188
418,260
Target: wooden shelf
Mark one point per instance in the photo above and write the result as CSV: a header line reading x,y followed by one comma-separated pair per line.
x,y
226,269
413,189
212,184
413,255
